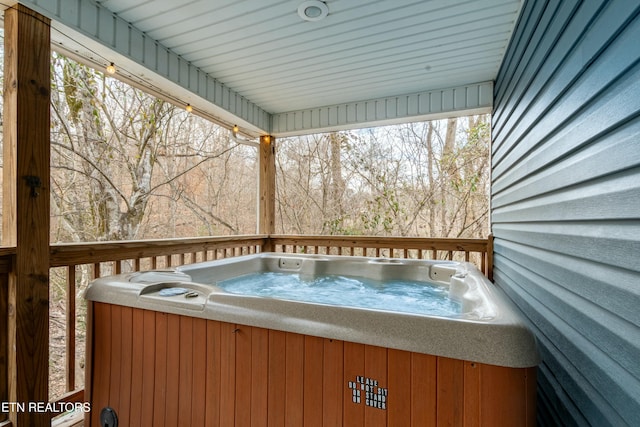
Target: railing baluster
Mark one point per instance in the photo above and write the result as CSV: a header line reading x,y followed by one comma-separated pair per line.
x,y
483,263
71,329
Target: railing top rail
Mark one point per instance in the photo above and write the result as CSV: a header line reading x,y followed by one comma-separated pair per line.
x,y
7,250
85,253
63,254
446,244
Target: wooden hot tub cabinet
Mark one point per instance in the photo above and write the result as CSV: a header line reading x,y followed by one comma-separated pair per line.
x,y
159,369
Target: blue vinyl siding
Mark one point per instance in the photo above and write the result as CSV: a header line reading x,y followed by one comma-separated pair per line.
x,y
566,202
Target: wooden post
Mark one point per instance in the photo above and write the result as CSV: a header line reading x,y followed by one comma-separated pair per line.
x,y
26,206
267,188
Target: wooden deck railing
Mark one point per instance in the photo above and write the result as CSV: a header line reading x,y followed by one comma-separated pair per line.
x,y
476,251
73,265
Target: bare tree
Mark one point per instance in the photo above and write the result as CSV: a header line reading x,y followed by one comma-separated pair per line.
x,y
117,151
416,179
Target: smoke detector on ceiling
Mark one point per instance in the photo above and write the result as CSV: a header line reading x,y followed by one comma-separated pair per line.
x,y
313,10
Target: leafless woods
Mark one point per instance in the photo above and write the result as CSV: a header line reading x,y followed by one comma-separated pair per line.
x,y
428,179
126,165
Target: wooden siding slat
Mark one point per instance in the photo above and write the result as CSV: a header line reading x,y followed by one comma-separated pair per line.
x,y
137,361
400,383
173,364
213,374
354,367
116,348
294,389
185,371
423,390
276,378
375,367
475,404
199,367
244,376
333,373
313,401
101,359
259,371
509,410
450,394
125,373
148,368
227,374
160,382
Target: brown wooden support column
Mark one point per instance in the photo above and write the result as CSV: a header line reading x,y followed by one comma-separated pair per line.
x,y
267,188
26,206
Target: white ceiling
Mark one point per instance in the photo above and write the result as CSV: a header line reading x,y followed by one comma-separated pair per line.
x,y
257,64
363,49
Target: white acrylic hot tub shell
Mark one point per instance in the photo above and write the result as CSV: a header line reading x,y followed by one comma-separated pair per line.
x,y
490,330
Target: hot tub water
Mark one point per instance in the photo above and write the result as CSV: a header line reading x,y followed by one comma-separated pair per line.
x,y
405,296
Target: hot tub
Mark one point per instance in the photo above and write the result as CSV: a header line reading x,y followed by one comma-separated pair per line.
x,y
197,346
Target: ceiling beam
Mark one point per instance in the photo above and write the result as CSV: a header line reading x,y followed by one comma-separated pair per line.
x,y
458,101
